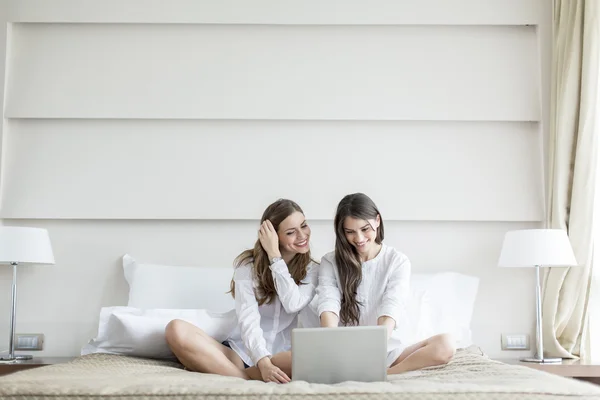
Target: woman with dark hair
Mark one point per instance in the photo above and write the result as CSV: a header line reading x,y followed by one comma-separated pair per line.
x,y
272,283
365,282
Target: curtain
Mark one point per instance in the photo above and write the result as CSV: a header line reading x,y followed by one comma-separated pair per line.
x,y
573,149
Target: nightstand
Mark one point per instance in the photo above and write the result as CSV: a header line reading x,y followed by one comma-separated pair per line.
x,y
8,368
570,368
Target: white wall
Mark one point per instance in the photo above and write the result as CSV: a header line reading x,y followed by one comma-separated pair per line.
x,y
164,130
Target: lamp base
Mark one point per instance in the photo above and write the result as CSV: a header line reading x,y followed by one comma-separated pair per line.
x,y
542,360
17,357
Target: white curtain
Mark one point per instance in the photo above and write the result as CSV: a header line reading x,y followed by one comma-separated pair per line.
x,y
573,146
592,351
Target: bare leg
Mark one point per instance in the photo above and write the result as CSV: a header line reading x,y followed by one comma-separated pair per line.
x,y
201,353
436,350
281,360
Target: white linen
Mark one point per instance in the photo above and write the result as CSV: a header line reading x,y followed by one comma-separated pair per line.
x,y
136,332
177,287
446,306
266,330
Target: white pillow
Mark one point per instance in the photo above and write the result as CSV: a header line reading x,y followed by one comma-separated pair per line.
x,y
154,286
443,303
141,333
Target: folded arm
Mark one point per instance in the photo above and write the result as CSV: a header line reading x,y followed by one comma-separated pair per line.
x,y
294,297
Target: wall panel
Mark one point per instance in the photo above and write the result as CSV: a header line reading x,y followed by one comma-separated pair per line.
x,y
153,169
481,73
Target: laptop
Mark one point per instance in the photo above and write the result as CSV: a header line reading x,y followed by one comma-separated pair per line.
x,y
334,355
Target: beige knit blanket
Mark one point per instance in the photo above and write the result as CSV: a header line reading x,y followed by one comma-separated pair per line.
x,y
468,376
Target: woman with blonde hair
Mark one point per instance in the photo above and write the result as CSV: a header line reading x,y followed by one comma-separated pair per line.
x,y
272,283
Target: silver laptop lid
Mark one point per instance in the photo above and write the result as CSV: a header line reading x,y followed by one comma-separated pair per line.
x,y
333,355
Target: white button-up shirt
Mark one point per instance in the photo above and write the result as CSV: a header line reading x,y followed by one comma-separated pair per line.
x,y
383,290
266,330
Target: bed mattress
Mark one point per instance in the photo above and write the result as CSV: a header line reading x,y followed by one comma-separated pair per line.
x,y
470,375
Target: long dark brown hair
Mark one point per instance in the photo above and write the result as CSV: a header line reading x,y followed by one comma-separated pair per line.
x,y
266,293
359,206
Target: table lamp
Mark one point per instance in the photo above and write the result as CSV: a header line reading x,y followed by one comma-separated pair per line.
x,y
22,246
537,248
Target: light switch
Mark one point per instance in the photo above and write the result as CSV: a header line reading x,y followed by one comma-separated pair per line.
x,y
29,341
519,341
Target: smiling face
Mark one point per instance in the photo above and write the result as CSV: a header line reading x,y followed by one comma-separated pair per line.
x,y
361,235
294,235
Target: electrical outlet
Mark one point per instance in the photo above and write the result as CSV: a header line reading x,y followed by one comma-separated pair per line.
x,y
29,341
517,341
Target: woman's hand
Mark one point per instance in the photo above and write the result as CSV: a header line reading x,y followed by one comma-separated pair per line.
x,y
269,239
270,372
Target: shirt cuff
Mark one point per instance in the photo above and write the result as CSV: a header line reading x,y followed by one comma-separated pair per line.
x,y
259,354
388,312
279,267
329,306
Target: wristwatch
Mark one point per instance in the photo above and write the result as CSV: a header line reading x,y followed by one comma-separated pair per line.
x,y
275,259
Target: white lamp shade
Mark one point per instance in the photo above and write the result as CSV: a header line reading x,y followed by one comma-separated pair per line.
x,y
25,245
531,247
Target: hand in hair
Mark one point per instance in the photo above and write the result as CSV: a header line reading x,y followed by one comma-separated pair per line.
x,y
268,239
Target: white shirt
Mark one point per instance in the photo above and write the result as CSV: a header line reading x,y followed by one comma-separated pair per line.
x,y
266,330
383,290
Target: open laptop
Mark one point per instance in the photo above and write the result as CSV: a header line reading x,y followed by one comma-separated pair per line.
x,y
334,355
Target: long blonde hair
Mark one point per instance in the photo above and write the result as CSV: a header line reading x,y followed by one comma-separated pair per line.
x,y
266,293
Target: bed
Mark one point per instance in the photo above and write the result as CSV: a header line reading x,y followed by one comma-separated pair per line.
x,y
470,375
129,358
